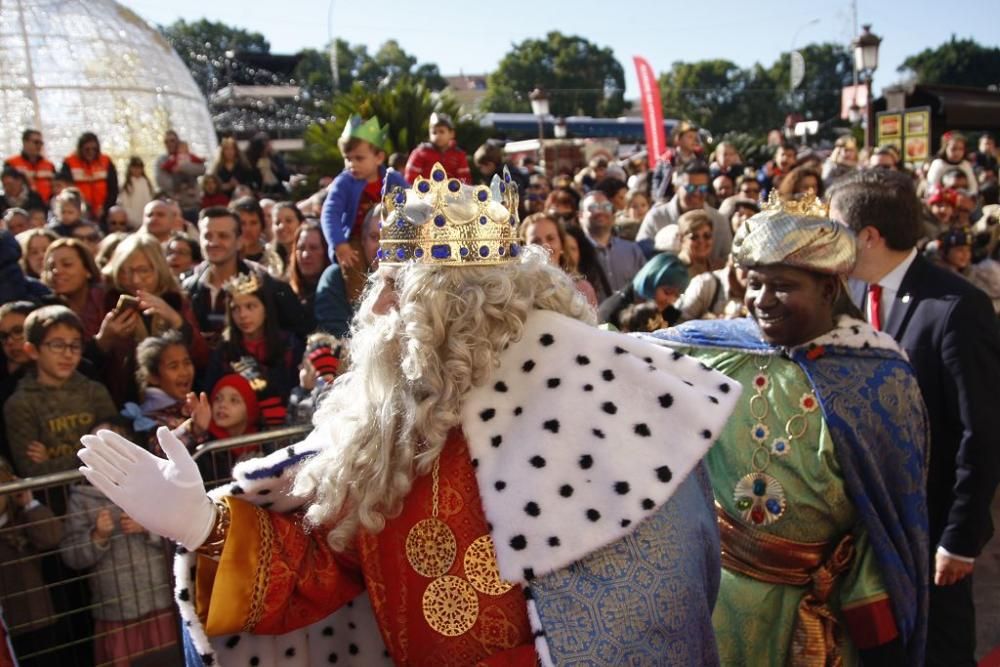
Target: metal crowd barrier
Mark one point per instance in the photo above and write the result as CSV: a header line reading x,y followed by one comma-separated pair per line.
x,y
117,610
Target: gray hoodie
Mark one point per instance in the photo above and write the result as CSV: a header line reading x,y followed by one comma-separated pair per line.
x,y
131,573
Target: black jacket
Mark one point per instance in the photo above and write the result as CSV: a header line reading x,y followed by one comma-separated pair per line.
x,y
292,317
948,329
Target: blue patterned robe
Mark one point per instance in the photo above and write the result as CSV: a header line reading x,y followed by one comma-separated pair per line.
x,y
859,385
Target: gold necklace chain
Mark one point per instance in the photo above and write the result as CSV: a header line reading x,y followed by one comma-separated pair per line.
x,y
759,496
435,482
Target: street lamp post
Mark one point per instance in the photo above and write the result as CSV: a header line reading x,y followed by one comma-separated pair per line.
x,y
540,107
559,129
866,60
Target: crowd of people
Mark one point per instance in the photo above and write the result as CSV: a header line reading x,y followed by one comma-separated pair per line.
x,y
205,301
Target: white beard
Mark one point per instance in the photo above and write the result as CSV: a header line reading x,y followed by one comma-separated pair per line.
x,y
368,419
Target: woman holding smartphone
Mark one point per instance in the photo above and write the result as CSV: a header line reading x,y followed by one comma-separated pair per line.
x,y
141,285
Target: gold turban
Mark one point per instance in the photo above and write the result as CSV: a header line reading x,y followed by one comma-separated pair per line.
x,y
781,235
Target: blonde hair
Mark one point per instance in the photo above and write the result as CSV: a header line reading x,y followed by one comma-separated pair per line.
x,y
687,223
152,250
534,219
388,418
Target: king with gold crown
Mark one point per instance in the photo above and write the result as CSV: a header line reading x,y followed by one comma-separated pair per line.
x,y
495,481
818,476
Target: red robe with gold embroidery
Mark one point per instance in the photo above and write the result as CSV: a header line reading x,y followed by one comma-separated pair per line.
x,y
297,579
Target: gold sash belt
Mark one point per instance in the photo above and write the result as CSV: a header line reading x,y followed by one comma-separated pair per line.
x,y
777,560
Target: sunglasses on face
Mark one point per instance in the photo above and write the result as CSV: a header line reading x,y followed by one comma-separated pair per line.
x,y
691,188
600,207
704,236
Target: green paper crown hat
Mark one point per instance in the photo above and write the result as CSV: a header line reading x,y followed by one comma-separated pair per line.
x,y
368,130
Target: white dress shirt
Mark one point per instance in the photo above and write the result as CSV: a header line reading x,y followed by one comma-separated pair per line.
x,y
890,283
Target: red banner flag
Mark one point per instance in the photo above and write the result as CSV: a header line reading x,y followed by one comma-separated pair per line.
x,y
652,110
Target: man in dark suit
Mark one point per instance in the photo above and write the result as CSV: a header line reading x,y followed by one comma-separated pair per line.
x,y
948,329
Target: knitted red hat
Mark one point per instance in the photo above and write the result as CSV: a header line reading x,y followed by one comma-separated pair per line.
x,y
939,195
241,385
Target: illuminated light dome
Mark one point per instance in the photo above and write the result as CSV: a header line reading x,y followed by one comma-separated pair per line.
x,y
71,66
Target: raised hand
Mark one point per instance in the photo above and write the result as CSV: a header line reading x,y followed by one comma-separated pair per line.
x,y
166,496
199,409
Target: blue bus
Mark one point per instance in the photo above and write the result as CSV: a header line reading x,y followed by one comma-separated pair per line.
x,y
525,126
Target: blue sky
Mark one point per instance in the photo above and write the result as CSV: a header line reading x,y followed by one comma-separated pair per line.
x,y
472,36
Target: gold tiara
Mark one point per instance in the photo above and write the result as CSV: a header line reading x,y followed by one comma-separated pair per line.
x,y
806,205
441,221
242,283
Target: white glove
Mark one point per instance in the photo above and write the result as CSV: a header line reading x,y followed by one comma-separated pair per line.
x,y
166,496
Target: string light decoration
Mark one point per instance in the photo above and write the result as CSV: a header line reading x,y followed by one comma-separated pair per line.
x,y
92,65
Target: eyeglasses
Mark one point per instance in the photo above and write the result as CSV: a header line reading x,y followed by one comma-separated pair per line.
x,y
92,237
17,333
60,347
692,188
707,236
138,271
753,192
600,207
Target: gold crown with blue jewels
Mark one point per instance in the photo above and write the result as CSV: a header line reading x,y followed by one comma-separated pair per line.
x,y
440,221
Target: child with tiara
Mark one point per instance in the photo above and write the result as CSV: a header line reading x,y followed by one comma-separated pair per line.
x,y
253,346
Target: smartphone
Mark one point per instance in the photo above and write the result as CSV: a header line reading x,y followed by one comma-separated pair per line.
x,y
126,302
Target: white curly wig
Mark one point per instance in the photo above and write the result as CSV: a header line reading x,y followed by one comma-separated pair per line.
x,y
387,419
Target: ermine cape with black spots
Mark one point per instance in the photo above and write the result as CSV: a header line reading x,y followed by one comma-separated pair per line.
x,y
586,447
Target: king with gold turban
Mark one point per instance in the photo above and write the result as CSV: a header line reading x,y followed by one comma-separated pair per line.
x,y
495,481
818,477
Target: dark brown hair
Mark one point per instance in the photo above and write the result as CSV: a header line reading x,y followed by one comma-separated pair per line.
x,y
39,322
883,199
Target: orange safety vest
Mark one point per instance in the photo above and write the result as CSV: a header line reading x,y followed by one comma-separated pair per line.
x,y
39,174
90,178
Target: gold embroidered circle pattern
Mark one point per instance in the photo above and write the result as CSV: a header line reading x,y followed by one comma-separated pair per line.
x,y
481,568
450,606
431,547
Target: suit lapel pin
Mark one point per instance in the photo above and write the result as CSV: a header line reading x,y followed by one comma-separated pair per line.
x,y
906,298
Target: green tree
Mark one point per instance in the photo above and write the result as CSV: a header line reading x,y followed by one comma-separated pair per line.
x,y
710,93
959,62
314,74
581,78
722,97
404,103
355,64
202,45
829,68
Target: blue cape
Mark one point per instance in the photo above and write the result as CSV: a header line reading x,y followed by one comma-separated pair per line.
x,y
884,468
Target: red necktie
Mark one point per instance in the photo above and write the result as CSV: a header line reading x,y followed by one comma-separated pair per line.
x,y
875,299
